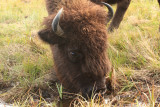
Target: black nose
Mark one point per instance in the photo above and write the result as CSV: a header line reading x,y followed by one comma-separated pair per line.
x,y
87,93
101,91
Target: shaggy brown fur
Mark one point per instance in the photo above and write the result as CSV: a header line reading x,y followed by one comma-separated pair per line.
x,y
122,6
80,59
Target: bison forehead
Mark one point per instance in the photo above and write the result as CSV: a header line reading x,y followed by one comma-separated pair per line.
x,y
89,36
78,10
84,19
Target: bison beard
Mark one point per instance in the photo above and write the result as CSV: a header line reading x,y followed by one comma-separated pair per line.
x,y
76,32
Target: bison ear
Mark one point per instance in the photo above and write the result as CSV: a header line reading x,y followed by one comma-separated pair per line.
x,y
49,37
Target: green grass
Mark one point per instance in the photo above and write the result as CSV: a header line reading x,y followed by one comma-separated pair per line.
x,y
60,90
134,50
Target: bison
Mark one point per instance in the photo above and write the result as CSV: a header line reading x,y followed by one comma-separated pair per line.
x,y
76,32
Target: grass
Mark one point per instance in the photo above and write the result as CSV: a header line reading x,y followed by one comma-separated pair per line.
x,y
25,61
60,91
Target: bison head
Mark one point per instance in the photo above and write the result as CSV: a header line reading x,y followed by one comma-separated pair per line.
x,y
78,39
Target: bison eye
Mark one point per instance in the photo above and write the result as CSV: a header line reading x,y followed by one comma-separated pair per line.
x,y
74,56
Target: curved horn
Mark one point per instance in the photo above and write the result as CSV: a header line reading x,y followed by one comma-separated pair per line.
x,y
55,23
111,12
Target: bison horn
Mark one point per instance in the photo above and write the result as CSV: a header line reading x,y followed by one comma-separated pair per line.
x,y
55,23
110,13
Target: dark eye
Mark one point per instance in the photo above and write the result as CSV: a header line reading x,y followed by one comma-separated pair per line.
x,y
75,56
